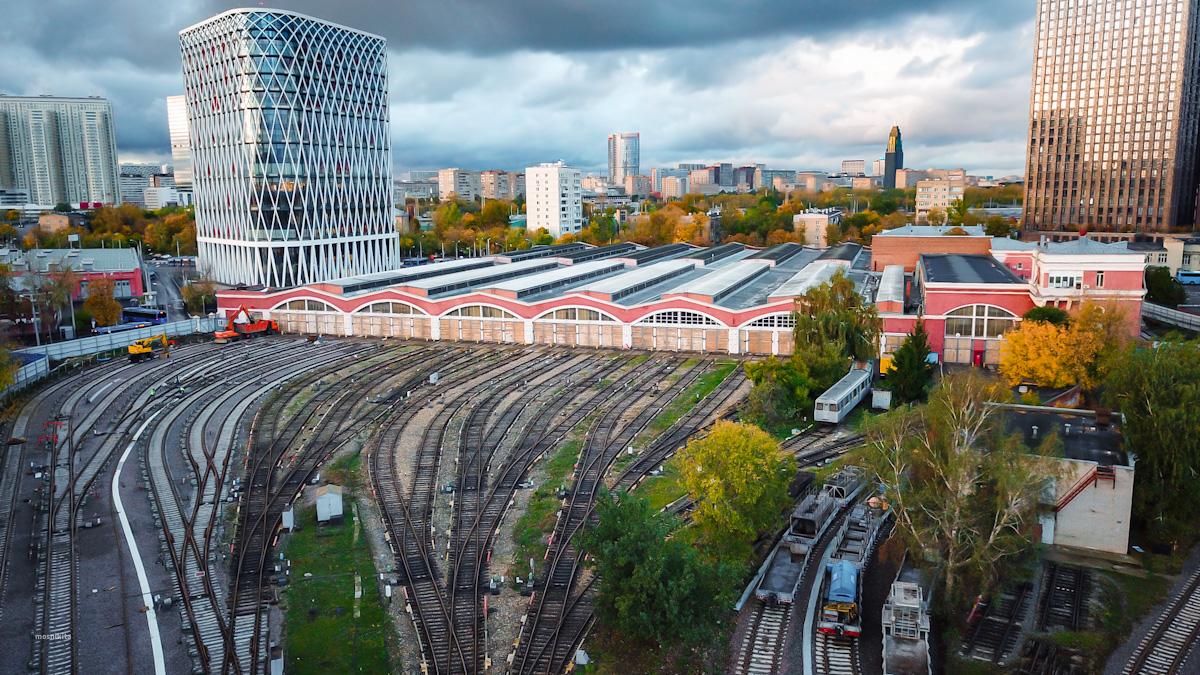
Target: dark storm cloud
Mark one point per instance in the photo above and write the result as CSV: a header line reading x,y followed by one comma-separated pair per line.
x,y
507,83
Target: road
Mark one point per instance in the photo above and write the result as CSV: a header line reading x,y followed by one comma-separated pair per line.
x,y
167,285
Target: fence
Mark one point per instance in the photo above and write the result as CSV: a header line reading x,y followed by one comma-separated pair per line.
x,y
103,343
36,367
1188,320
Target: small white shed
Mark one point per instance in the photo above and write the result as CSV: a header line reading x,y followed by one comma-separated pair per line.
x,y
329,503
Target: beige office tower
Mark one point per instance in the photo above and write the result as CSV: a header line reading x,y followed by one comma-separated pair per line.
x,y
1113,116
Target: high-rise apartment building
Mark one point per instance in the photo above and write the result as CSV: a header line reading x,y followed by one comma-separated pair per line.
x,y
878,166
181,149
554,199
893,159
59,150
624,157
289,135
674,187
1114,115
854,167
637,186
466,184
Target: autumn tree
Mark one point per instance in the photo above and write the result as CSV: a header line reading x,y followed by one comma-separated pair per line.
x,y
1158,391
738,477
997,226
908,377
936,216
542,237
651,586
1055,355
100,302
200,293
962,492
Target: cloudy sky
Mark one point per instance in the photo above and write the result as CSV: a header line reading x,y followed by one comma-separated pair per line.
x,y
482,84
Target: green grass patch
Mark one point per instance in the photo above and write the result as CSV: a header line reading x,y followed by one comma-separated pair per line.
x,y
324,641
664,489
535,525
693,394
344,471
1077,640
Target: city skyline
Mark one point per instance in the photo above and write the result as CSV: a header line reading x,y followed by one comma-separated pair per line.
x,y
808,89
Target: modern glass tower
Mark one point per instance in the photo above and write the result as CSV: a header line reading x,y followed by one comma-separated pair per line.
x,y
1113,115
623,157
181,144
288,118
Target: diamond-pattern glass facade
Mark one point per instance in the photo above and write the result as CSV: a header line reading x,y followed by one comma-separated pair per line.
x,y
288,117
1114,115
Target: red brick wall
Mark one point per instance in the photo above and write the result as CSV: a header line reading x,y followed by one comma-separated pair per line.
x,y
907,250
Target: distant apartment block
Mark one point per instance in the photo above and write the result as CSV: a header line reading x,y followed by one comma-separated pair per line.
x,y
878,166
465,184
404,190
624,156
637,186
814,224
674,187
554,199
422,175
854,167
657,175
59,150
937,194
1114,116
766,177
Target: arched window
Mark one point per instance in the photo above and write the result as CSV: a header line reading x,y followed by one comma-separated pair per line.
x,y
575,314
389,308
305,306
676,317
774,321
481,311
981,321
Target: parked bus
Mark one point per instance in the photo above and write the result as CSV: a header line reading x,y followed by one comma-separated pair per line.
x,y
146,315
1188,277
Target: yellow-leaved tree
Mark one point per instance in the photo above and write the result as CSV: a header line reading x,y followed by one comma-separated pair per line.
x,y
100,302
739,478
1080,352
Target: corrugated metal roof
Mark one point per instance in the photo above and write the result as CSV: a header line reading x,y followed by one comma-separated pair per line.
x,y
473,278
933,231
638,278
812,275
366,282
563,276
1088,246
100,259
724,281
891,285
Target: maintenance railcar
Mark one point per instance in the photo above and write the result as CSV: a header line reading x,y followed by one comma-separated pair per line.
x,y
784,567
837,401
842,589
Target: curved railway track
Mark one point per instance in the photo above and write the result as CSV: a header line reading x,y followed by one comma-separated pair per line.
x,y
1173,636
762,648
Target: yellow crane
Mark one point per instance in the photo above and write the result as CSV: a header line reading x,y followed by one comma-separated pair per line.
x,y
149,348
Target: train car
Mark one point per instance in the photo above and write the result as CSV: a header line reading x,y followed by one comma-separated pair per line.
x,y
842,588
844,486
837,401
839,609
809,521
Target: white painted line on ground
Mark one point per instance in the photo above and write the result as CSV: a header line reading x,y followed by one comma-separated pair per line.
x,y
92,398
160,665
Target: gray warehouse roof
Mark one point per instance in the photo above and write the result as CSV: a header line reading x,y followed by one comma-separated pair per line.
x,y
813,274
639,278
540,282
474,278
891,285
720,283
368,282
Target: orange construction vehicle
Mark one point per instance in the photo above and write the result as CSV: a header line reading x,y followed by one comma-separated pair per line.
x,y
243,325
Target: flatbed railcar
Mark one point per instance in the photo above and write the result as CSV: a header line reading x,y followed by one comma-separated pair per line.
x,y
808,524
837,401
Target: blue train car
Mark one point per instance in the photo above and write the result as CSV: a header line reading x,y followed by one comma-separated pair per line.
x,y
839,611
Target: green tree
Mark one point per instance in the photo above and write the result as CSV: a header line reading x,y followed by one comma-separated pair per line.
x,y
1163,289
997,226
1048,314
936,216
199,294
650,586
738,477
956,214
63,207
908,378
1158,391
833,313
542,237
962,493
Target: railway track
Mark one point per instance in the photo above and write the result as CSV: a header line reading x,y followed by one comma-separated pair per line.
x,y
835,654
762,648
995,632
1173,636
1062,605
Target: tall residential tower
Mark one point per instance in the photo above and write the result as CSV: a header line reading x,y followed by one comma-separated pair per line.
x,y
288,117
624,158
59,150
1113,115
893,159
